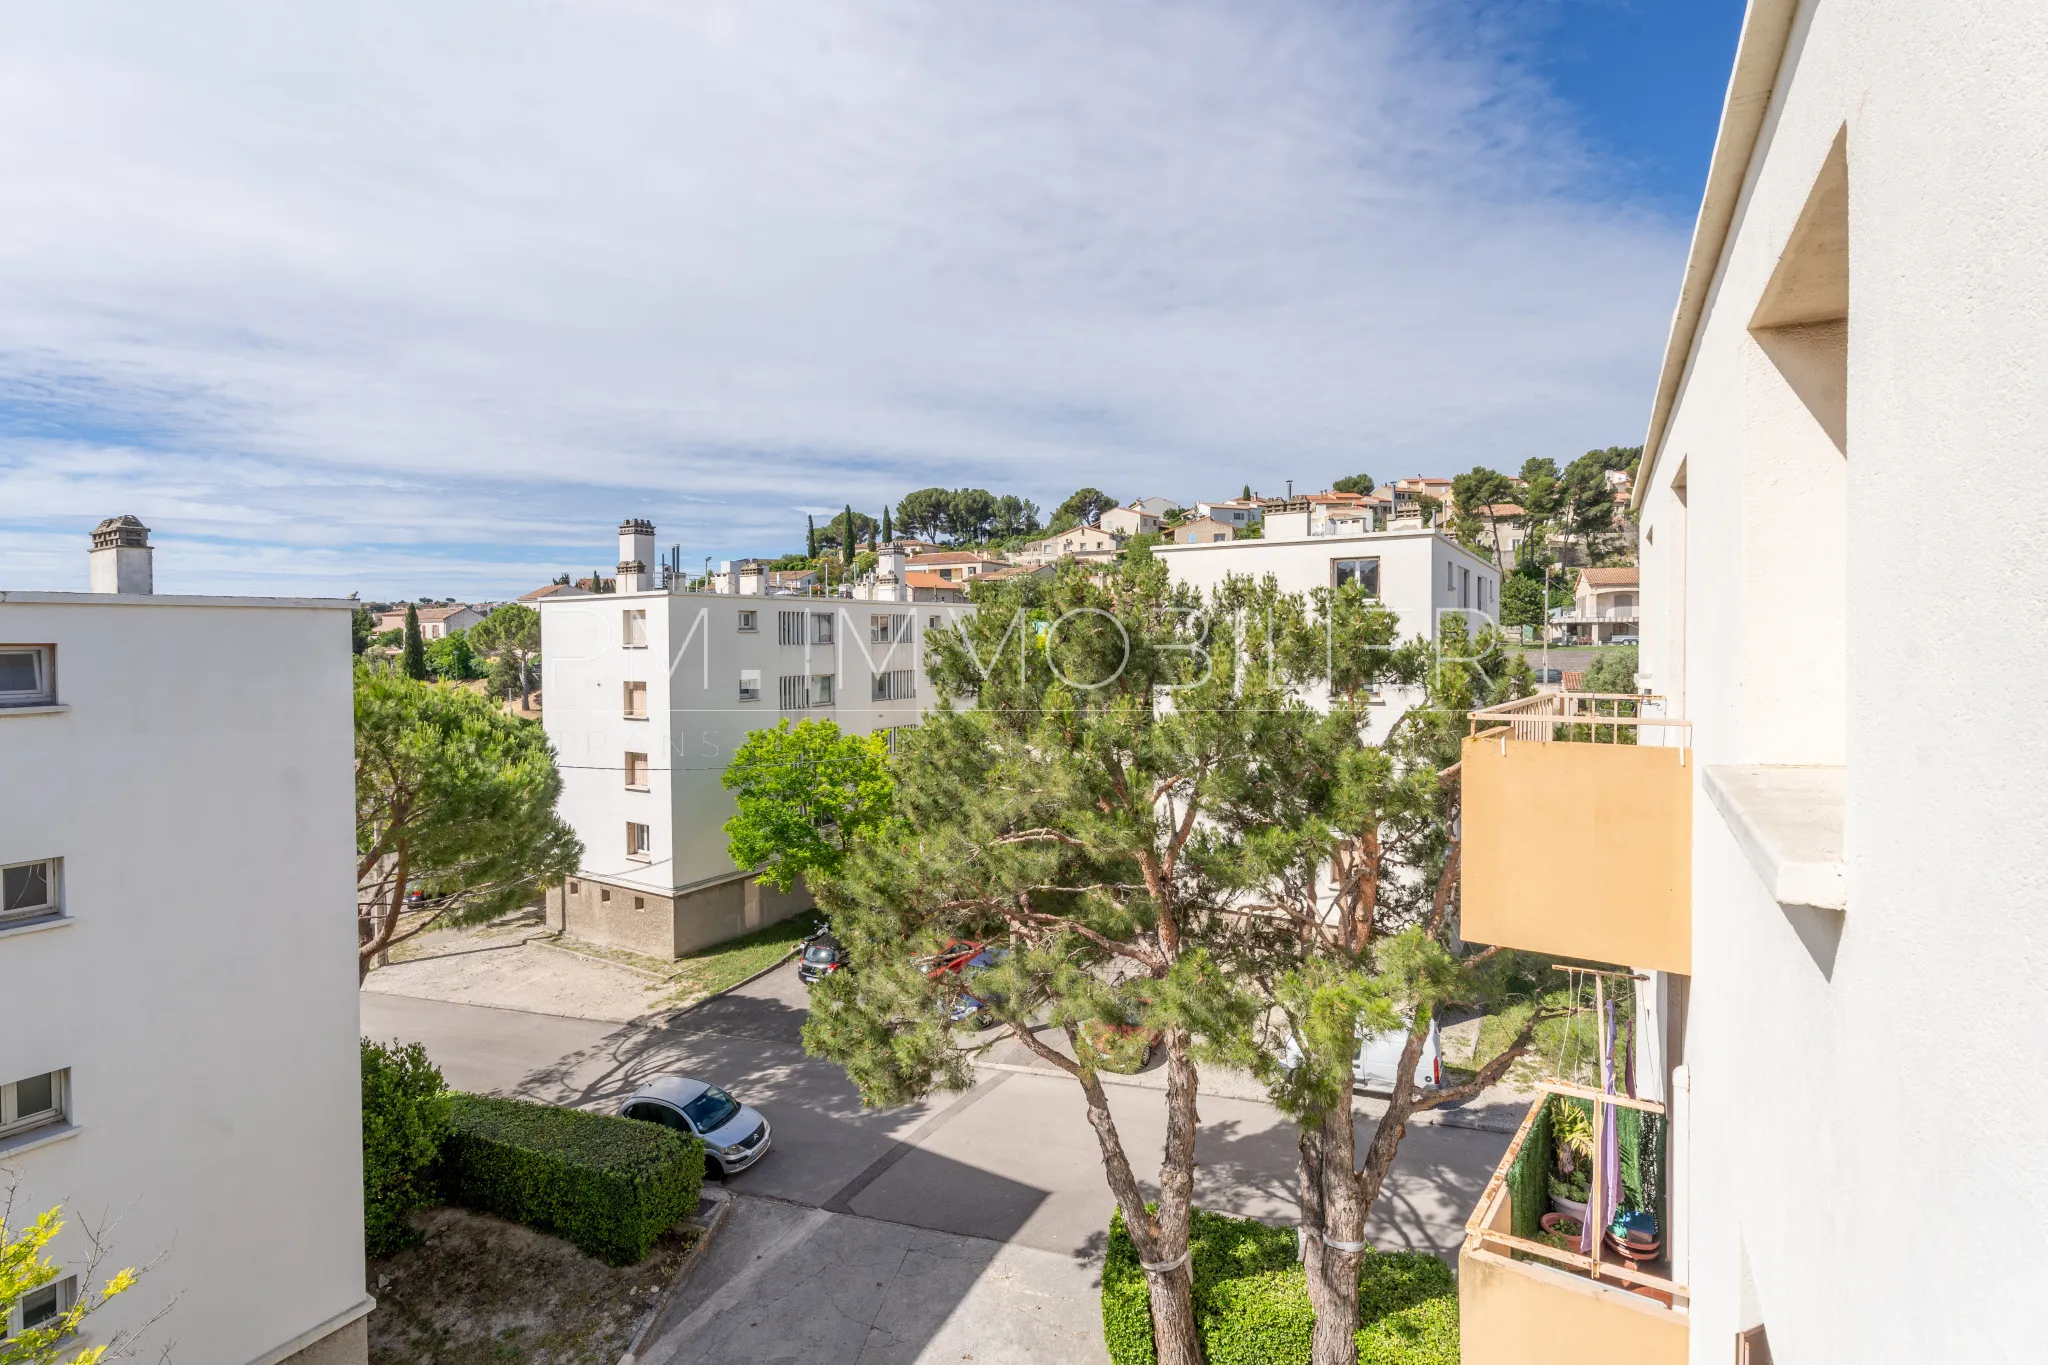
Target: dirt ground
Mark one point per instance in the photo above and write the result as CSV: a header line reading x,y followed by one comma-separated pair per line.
x,y
481,1291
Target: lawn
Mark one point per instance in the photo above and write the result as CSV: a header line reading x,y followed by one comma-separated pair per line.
x,y
717,968
481,1291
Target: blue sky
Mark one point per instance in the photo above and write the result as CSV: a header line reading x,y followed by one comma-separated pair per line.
x,y
409,299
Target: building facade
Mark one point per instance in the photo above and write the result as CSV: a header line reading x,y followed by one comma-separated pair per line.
x,y
176,904
1824,860
651,691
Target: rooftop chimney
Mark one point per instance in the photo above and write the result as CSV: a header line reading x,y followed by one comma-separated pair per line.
x,y
636,555
121,557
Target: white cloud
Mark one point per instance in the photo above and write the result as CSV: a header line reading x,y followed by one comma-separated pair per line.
x,y
374,289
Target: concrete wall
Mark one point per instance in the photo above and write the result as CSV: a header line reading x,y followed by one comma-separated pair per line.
x,y
1851,1137
202,988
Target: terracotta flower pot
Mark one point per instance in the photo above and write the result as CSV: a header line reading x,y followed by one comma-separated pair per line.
x,y
1553,1222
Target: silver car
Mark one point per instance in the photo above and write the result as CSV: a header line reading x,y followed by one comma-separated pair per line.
x,y
735,1135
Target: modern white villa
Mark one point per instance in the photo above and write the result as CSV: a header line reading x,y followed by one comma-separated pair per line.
x,y
649,693
178,1015
1824,858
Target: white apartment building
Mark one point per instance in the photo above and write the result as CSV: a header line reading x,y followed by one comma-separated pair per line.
x,y
650,692
1419,575
1089,544
1236,513
1845,850
177,900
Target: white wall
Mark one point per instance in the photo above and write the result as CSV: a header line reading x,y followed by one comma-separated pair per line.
x,y
1860,1140
695,718
202,989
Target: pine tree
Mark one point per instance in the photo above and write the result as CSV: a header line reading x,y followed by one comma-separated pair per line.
x,y
846,538
1247,494
810,537
414,661
887,535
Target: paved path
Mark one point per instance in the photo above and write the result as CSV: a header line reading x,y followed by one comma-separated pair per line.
x,y
1004,1181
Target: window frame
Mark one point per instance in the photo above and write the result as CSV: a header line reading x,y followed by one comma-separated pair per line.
x,y
749,623
64,1297
631,617
895,684
53,880
13,1124
821,627
824,690
626,700
640,841
643,768
45,691
755,693
1337,580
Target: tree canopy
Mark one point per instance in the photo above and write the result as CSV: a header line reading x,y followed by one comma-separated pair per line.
x,y
454,799
1350,483
964,516
1083,507
805,793
510,638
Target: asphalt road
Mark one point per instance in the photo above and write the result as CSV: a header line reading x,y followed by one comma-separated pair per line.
x,y
1012,1160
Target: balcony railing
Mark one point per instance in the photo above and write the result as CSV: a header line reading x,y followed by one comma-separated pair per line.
x,y
1579,849
1522,1300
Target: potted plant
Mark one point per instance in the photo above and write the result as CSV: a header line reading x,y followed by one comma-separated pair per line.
x,y
1571,1177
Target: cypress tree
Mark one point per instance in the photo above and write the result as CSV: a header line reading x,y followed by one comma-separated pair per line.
x,y
871,533
1247,493
886,535
810,537
414,660
846,540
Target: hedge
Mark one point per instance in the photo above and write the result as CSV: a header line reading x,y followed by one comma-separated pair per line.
x,y
1252,1305
405,1118
609,1185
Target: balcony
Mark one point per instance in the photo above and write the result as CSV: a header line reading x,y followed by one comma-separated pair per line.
x,y
1577,834
1527,1296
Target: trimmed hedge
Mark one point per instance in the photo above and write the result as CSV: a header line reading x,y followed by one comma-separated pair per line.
x,y
608,1185
1252,1305
405,1119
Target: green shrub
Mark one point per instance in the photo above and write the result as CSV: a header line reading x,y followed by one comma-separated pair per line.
x,y
608,1185
405,1118
1252,1305
1120,1048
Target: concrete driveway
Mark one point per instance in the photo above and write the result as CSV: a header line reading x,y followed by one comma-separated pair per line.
x,y
969,1206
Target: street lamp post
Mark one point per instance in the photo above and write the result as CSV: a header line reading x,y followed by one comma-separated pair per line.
x,y
1548,570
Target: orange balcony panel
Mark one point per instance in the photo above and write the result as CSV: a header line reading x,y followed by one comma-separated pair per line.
x,y
1578,850
1523,1313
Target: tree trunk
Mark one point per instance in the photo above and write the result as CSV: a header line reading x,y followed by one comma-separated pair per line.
x,y
1330,1257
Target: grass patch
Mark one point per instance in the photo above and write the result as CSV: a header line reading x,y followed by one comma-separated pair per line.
x,y
478,1289
724,965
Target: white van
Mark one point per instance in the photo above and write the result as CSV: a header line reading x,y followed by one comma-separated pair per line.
x,y
1379,1054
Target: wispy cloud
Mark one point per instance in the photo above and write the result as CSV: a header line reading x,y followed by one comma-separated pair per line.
x,y
421,297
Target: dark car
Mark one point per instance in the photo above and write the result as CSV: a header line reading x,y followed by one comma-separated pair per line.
x,y
822,954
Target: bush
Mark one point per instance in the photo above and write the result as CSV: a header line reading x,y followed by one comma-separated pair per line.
x,y
1252,1306
405,1118
1121,1048
609,1185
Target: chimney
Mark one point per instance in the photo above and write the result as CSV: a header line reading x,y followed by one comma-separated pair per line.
x,y
636,555
121,557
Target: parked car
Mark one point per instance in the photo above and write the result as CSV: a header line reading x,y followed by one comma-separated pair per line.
x,y
822,954
1379,1054
1548,675
963,961
735,1135
1624,640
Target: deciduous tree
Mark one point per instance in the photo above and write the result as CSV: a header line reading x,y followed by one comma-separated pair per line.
x,y
25,1267
804,793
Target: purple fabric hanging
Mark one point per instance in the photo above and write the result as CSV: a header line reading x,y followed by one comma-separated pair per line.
x,y
1610,1149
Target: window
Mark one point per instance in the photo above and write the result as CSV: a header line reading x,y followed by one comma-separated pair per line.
x,y
1364,572
636,701
896,734
750,621
636,771
896,685
575,887
43,1307
750,684
633,632
639,902
28,891
821,689
1450,578
604,893
789,627
639,844
821,627
27,675
32,1102
933,624
1464,587
793,692
888,629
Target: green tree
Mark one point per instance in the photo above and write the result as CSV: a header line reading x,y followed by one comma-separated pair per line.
x,y
1351,483
450,658
888,534
1014,518
810,537
923,514
1613,671
804,793
1521,599
405,1119
1096,835
1585,502
1247,494
413,661
454,799
25,1268
510,636
1084,507
362,625
849,532
1472,495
